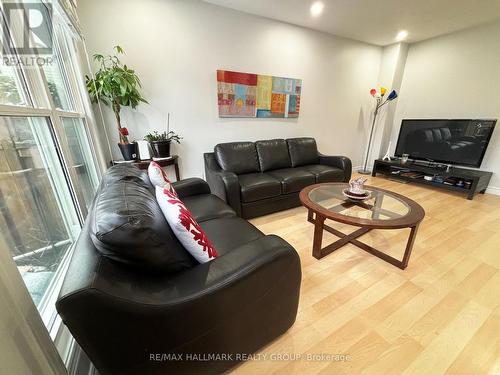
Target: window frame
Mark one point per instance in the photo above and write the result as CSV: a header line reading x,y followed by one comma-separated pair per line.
x,y
39,103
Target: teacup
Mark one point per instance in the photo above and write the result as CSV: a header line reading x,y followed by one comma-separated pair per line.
x,y
356,186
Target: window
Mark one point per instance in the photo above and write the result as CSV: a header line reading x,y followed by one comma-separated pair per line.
x,y
37,221
9,87
48,171
58,72
82,161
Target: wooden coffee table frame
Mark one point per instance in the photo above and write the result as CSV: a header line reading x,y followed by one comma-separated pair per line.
x,y
318,214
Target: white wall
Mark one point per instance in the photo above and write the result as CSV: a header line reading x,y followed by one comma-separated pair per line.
x,y
177,46
455,76
393,78
390,76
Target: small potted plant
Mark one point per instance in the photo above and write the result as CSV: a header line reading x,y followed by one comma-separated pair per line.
x,y
160,143
116,85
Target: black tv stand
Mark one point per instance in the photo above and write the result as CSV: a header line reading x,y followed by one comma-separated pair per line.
x,y
467,181
432,164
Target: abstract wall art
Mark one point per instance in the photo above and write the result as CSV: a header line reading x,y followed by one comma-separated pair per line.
x,y
257,95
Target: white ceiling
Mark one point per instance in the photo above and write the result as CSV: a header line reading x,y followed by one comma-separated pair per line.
x,y
376,21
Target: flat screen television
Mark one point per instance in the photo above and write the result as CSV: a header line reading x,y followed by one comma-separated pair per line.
x,y
460,142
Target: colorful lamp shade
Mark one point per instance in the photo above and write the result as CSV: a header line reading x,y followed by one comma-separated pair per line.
x,y
383,90
373,92
393,95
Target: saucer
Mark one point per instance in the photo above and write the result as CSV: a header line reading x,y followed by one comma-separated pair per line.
x,y
356,196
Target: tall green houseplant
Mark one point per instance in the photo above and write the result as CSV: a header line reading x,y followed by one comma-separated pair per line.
x,y
115,85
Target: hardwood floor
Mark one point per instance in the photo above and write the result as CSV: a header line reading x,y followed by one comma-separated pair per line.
x,y
439,316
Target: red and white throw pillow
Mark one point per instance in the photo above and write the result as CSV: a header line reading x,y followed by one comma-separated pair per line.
x,y
158,177
185,227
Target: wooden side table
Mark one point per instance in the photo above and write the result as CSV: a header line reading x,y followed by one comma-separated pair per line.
x,y
144,164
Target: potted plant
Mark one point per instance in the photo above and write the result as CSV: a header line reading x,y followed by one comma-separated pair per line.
x,y
118,86
160,143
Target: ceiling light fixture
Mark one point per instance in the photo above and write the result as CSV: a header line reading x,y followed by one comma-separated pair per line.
x,y
317,8
401,35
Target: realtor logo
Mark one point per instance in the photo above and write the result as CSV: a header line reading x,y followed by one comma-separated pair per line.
x,y
27,29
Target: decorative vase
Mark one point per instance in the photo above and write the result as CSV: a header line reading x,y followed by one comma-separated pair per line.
x,y
160,149
129,150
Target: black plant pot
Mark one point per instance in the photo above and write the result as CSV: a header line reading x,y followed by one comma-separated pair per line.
x,y
129,150
161,149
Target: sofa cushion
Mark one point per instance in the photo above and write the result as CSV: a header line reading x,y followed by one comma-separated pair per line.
x,y
207,206
128,226
324,173
293,179
303,151
229,233
127,172
237,157
446,134
273,154
185,227
257,186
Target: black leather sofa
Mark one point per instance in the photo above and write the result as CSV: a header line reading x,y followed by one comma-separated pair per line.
x,y
137,303
266,176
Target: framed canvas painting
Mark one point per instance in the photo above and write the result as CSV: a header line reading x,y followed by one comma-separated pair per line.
x,y
256,95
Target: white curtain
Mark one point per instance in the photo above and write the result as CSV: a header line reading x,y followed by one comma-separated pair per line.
x,y
25,344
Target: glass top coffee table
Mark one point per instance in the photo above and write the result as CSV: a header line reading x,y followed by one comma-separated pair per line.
x,y
383,210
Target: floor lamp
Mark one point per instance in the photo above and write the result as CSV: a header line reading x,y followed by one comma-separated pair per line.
x,y
379,97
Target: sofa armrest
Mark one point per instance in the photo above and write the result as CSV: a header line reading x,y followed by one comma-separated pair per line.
x,y
235,303
222,183
341,162
191,186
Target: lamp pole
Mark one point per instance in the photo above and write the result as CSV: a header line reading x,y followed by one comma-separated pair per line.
x,y
380,103
365,170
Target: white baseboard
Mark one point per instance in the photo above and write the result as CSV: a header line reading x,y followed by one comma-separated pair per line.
x,y
493,190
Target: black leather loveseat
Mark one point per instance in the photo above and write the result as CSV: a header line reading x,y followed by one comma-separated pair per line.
x,y
266,176
137,303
